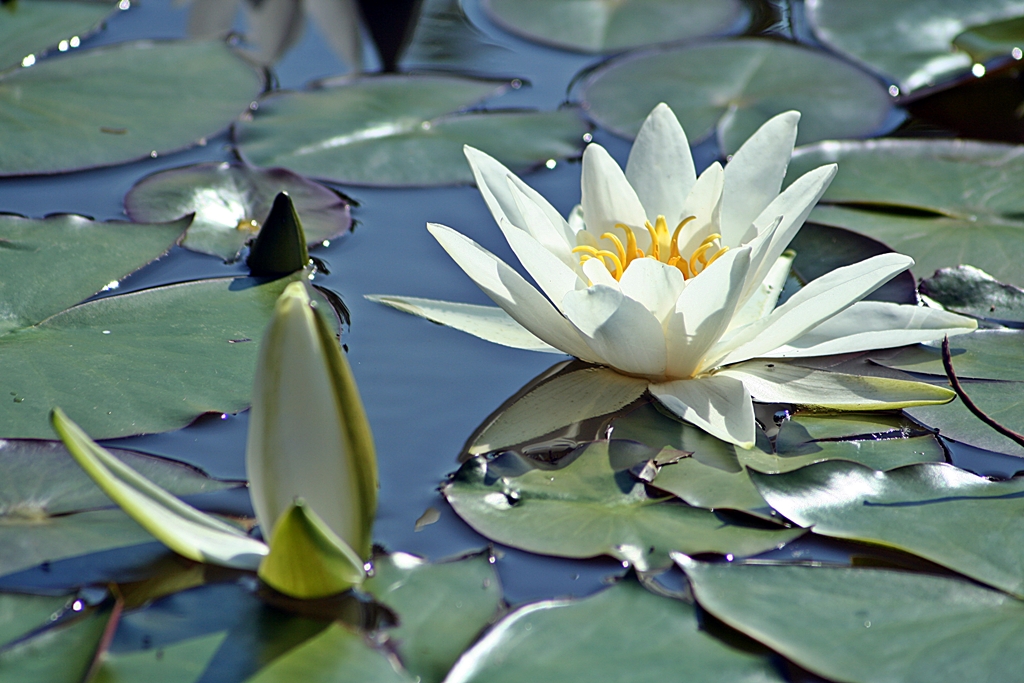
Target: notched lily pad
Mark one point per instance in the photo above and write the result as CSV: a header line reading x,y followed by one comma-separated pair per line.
x,y
34,27
943,202
589,506
119,103
596,26
231,201
400,131
730,88
624,633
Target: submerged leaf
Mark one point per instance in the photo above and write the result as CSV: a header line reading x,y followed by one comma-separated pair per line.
x,y
400,131
732,87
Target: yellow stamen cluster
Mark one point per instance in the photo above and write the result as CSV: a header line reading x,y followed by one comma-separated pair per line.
x,y
663,248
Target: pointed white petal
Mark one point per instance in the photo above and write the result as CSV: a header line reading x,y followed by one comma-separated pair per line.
x,y
555,237
763,299
598,273
487,322
779,223
703,311
660,167
654,284
508,289
785,383
818,301
753,177
704,202
490,175
607,197
721,406
308,433
185,530
559,402
553,276
623,333
875,325
575,220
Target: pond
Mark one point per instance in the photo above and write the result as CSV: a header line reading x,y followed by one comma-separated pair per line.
x,y
429,389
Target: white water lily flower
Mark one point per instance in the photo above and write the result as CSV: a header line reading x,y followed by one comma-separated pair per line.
x,y
673,279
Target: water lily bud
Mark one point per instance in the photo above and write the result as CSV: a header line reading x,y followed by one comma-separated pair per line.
x,y
307,560
308,434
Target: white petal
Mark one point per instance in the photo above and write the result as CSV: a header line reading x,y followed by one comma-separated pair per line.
x,y
753,177
490,175
785,383
818,301
598,274
703,311
607,197
779,223
575,220
719,405
487,322
550,230
623,333
508,289
763,299
660,167
654,284
553,276
559,402
704,202
875,325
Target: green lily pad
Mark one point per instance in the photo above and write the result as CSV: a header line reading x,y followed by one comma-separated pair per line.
x,y
623,633
31,27
119,103
934,510
983,354
62,654
48,503
730,88
143,362
231,203
943,202
998,39
22,614
400,130
868,624
182,662
716,476
1002,401
974,292
914,42
591,506
596,26
53,263
336,655
441,608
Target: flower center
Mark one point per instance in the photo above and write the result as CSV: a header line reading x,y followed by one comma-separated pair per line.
x,y
664,248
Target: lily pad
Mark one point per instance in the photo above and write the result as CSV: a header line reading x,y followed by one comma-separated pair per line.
x,y
911,41
56,262
1002,401
441,608
400,131
868,624
119,103
336,655
143,362
31,27
624,633
731,88
182,662
934,510
445,38
974,292
22,614
983,354
48,504
944,202
596,26
62,654
591,506
231,203
716,475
